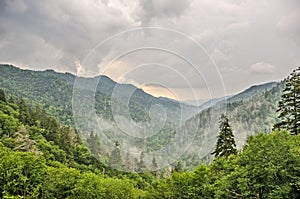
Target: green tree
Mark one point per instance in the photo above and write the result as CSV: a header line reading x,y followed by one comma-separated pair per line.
x,y
268,167
226,143
2,96
142,165
154,168
59,182
21,174
24,115
88,186
289,105
8,123
115,159
178,167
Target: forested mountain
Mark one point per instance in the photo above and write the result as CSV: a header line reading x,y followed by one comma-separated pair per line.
x,y
249,112
242,96
42,158
54,91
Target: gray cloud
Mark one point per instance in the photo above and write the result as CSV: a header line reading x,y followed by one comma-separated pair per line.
x,y
153,9
235,34
289,25
72,28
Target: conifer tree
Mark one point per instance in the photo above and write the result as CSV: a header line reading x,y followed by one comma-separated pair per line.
x,y
142,165
289,105
154,168
178,167
226,143
115,159
2,96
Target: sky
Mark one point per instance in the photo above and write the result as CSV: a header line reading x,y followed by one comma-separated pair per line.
x,y
183,49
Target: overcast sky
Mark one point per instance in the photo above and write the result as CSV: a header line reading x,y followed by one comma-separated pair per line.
x,y
192,49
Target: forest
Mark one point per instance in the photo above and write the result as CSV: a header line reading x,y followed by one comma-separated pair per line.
x,y
40,157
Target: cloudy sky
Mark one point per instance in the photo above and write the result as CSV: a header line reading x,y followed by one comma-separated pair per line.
x,y
185,49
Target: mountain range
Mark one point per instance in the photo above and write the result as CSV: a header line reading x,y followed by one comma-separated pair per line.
x,y
155,123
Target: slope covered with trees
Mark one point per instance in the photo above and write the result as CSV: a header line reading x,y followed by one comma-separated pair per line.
x,y
40,158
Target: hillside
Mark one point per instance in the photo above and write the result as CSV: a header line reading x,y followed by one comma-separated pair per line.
x,y
253,114
40,158
54,91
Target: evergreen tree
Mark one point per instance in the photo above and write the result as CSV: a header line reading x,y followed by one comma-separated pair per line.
x,y
142,165
115,159
24,115
289,105
2,96
178,167
226,143
154,168
94,144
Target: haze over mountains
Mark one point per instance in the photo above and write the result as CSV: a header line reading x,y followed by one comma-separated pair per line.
x,y
152,123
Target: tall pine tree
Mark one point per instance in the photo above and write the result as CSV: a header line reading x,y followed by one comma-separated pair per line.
x,y
289,105
226,143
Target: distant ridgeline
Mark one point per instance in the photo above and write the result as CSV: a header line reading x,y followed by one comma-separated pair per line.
x,y
54,90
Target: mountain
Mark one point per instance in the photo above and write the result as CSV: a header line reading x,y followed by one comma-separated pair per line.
x,y
111,110
249,112
250,92
139,121
54,91
242,96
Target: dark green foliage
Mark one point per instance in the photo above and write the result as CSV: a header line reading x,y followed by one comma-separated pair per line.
x,y
225,143
2,96
289,105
